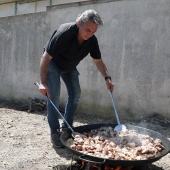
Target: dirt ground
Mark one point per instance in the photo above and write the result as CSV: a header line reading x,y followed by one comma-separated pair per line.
x,y
25,138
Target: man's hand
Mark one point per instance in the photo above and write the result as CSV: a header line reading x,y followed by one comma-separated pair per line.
x,y
44,90
110,85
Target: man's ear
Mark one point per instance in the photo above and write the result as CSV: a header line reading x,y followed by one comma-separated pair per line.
x,y
79,23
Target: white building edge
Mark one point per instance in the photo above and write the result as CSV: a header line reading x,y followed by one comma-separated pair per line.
x,y
19,7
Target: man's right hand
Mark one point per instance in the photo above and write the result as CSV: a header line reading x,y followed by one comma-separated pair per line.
x,y
44,90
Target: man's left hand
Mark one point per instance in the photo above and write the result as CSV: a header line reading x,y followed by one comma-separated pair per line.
x,y
110,85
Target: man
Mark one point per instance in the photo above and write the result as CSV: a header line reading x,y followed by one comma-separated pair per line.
x,y
69,44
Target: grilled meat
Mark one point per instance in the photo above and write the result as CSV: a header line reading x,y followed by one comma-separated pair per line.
x,y
125,145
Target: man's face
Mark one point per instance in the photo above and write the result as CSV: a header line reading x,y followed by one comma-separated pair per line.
x,y
87,30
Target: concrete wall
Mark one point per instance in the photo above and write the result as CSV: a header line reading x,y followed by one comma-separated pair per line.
x,y
134,42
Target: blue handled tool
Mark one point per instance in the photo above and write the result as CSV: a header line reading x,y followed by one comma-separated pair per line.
x,y
119,127
73,132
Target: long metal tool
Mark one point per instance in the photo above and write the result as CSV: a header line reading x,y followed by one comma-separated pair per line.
x,y
73,132
119,127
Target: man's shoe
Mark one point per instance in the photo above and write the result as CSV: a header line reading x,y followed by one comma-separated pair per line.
x,y
64,129
55,139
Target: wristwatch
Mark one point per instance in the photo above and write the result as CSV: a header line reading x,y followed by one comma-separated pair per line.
x,y
107,77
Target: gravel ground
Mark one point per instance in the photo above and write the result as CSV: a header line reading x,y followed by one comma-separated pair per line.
x,y
25,139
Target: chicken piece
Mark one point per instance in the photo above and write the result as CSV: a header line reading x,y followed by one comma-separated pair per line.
x,y
112,144
73,146
96,138
125,150
87,142
145,142
158,148
157,141
97,153
105,151
109,148
148,137
138,157
98,147
79,147
79,140
111,155
91,151
147,150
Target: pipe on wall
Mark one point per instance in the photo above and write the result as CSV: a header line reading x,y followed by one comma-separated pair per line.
x,y
15,8
36,6
50,2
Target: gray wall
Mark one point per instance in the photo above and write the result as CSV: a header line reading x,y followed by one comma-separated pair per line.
x,y
135,45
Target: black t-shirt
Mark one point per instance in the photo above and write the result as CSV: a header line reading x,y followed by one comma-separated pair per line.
x,y
64,49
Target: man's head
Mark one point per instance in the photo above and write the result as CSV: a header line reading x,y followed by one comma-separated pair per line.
x,y
88,22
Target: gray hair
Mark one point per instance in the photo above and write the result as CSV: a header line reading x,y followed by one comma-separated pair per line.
x,y
90,15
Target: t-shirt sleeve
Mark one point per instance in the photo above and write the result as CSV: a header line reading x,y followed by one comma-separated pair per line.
x,y
95,50
54,44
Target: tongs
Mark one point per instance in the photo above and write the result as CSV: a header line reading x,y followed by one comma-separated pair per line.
x,y
119,127
73,132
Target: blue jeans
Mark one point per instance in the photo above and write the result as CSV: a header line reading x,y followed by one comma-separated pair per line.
x,y
71,81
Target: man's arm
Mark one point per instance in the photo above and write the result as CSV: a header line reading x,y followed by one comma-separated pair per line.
x,y
103,70
44,66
